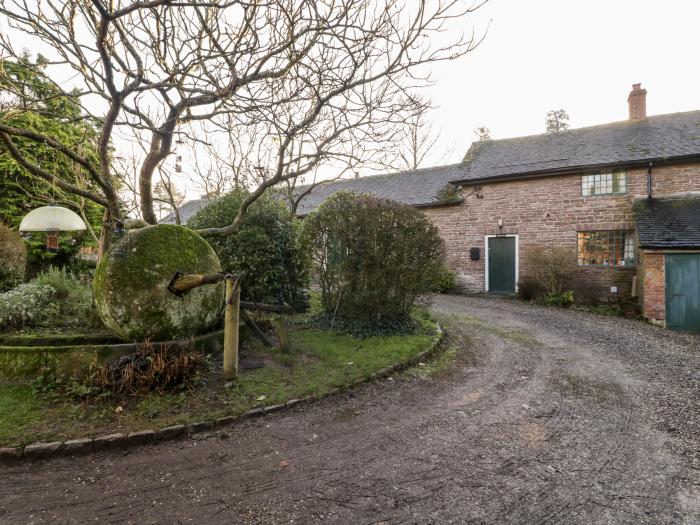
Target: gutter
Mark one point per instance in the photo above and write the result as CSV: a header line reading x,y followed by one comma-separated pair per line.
x,y
669,247
437,204
578,169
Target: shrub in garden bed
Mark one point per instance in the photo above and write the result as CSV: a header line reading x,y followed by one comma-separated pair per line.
x,y
13,258
264,252
55,299
374,257
27,305
562,299
446,281
73,298
549,275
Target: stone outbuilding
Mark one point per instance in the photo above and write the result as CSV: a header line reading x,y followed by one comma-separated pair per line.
x,y
669,260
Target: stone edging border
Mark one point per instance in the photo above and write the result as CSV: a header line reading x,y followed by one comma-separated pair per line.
x,y
46,450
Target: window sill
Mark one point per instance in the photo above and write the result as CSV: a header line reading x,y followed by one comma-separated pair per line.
x,y
615,266
617,194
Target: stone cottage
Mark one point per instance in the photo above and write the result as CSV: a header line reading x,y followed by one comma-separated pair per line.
x,y
624,196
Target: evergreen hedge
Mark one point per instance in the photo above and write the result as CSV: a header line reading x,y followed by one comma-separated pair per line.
x,y
264,252
374,257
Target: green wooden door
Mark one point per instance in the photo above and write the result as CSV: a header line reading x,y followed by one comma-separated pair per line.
x,y
683,292
501,254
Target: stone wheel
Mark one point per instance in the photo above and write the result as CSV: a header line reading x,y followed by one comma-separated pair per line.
x,y
131,285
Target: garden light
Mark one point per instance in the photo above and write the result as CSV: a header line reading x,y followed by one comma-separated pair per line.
x,y
52,220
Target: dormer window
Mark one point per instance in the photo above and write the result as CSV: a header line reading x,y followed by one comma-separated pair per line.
x,y
604,183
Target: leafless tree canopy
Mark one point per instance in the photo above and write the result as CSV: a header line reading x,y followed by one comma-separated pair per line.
x,y
307,81
557,120
414,139
483,133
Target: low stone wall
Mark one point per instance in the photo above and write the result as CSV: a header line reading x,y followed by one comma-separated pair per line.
x,y
35,354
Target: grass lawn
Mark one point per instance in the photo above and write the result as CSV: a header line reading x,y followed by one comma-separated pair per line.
x,y
317,362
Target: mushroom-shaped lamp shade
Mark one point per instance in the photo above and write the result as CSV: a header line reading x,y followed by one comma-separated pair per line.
x,y
51,219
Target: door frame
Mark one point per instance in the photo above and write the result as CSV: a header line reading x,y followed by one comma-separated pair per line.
x,y
517,259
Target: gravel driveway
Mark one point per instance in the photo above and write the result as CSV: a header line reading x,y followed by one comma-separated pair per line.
x,y
547,416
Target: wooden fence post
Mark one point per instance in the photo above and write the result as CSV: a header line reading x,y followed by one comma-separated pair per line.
x,y
280,324
231,324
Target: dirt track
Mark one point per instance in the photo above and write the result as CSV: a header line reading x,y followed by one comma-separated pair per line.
x,y
548,416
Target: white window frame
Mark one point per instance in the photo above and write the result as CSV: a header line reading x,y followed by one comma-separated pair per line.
x,y
517,259
601,174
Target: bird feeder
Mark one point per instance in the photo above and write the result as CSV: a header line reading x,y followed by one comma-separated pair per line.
x,y
52,220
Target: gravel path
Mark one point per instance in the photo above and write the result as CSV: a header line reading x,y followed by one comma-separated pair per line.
x,y
547,416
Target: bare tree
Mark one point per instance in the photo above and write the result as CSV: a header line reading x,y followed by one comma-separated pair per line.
x,y
415,138
483,133
557,120
230,159
167,197
328,74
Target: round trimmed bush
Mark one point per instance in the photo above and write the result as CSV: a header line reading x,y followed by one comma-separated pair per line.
x,y
375,257
131,285
446,281
264,252
13,258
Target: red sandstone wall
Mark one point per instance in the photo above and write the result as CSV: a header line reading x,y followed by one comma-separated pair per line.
x,y
549,210
654,286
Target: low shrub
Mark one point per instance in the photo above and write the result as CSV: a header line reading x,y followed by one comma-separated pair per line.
x,y
562,299
27,305
374,258
73,296
446,281
60,280
549,273
264,252
13,258
55,298
529,289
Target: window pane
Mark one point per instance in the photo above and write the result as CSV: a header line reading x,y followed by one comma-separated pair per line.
x,y
606,248
603,184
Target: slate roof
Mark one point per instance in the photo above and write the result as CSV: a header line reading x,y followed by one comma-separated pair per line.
x,y
631,141
187,210
672,222
416,187
674,136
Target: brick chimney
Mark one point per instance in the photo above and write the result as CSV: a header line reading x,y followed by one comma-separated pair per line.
x,y
637,101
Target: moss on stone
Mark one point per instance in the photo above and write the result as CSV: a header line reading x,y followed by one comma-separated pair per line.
x,y
64,361
131,285
56,339
74,361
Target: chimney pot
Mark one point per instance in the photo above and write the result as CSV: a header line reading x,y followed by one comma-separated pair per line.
x,y
637,102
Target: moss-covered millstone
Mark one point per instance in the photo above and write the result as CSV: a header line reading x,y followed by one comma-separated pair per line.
x,y
131,285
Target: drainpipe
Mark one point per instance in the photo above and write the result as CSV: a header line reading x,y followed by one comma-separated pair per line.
x,y
650,191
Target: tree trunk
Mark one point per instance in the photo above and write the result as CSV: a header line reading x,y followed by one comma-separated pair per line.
x,y
105,235
112,217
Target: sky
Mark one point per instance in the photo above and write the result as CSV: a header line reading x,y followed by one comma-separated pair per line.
x,y
582,56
